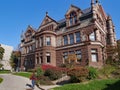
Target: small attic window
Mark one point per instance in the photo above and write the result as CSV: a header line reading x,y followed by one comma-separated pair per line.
x,y
73,18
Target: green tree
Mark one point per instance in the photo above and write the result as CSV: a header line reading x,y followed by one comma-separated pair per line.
x,y
1,55
118,50
1,52
113,55
14,58
70,61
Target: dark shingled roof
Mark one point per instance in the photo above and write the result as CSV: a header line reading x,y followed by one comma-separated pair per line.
x,y
61,21
85,13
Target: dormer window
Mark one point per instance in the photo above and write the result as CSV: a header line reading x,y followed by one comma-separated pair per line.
x,y
73,18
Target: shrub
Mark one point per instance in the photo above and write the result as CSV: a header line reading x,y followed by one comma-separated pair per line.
x,y
1,65
107,70
116,73
92,73
61,69
78,74
42,80
45,67
39,72
63,65
31,70
53,74
1,80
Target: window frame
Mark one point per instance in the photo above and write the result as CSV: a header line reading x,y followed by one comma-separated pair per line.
x,y
71,36
78,39
48,54
94,55
65,39
73,18
48,40
78,52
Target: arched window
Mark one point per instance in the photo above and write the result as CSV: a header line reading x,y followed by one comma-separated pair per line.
x,y
73,18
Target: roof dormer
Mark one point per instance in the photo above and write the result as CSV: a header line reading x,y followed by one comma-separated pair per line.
x,y
72,15
29,31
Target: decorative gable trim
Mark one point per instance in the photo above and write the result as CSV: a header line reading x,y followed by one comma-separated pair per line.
x,y
29,29
73,8
46,20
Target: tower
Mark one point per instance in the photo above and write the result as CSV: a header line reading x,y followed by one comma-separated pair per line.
x,y
111,32
93,9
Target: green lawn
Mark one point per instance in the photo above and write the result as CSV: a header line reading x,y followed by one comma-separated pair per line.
x,y
109,84
23,74
1,80
4,71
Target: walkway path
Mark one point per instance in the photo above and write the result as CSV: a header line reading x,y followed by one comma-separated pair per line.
x,y
12,82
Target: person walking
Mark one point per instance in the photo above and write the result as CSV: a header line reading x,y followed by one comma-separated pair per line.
x,y
33,79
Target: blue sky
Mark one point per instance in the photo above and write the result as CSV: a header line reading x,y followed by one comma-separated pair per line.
x,y
16,15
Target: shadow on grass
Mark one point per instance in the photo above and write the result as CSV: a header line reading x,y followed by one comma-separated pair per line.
x,y
63,82
115,86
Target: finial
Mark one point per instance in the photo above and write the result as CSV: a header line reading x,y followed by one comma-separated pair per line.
x,y
46,13
97,1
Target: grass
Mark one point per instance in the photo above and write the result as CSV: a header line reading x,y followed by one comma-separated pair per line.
x,y
109,84
23,74
1,80
4,71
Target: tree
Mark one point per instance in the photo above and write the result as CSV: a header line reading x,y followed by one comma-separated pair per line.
x,y
117,54
118,49
71,60
113,54
14,59
1,52
1,55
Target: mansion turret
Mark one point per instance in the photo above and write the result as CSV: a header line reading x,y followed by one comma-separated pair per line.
x,y
83,33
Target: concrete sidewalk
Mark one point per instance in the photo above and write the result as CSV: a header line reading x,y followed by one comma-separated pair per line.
x,y
13,82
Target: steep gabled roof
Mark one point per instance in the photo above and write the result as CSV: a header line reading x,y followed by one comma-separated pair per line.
x,y
30,29
103,12
47,19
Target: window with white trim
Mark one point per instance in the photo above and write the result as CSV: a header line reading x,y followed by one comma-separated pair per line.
x,y
48,41
65,40
94,55
78,55
77,34
73,18
65,56
71,38
48,57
